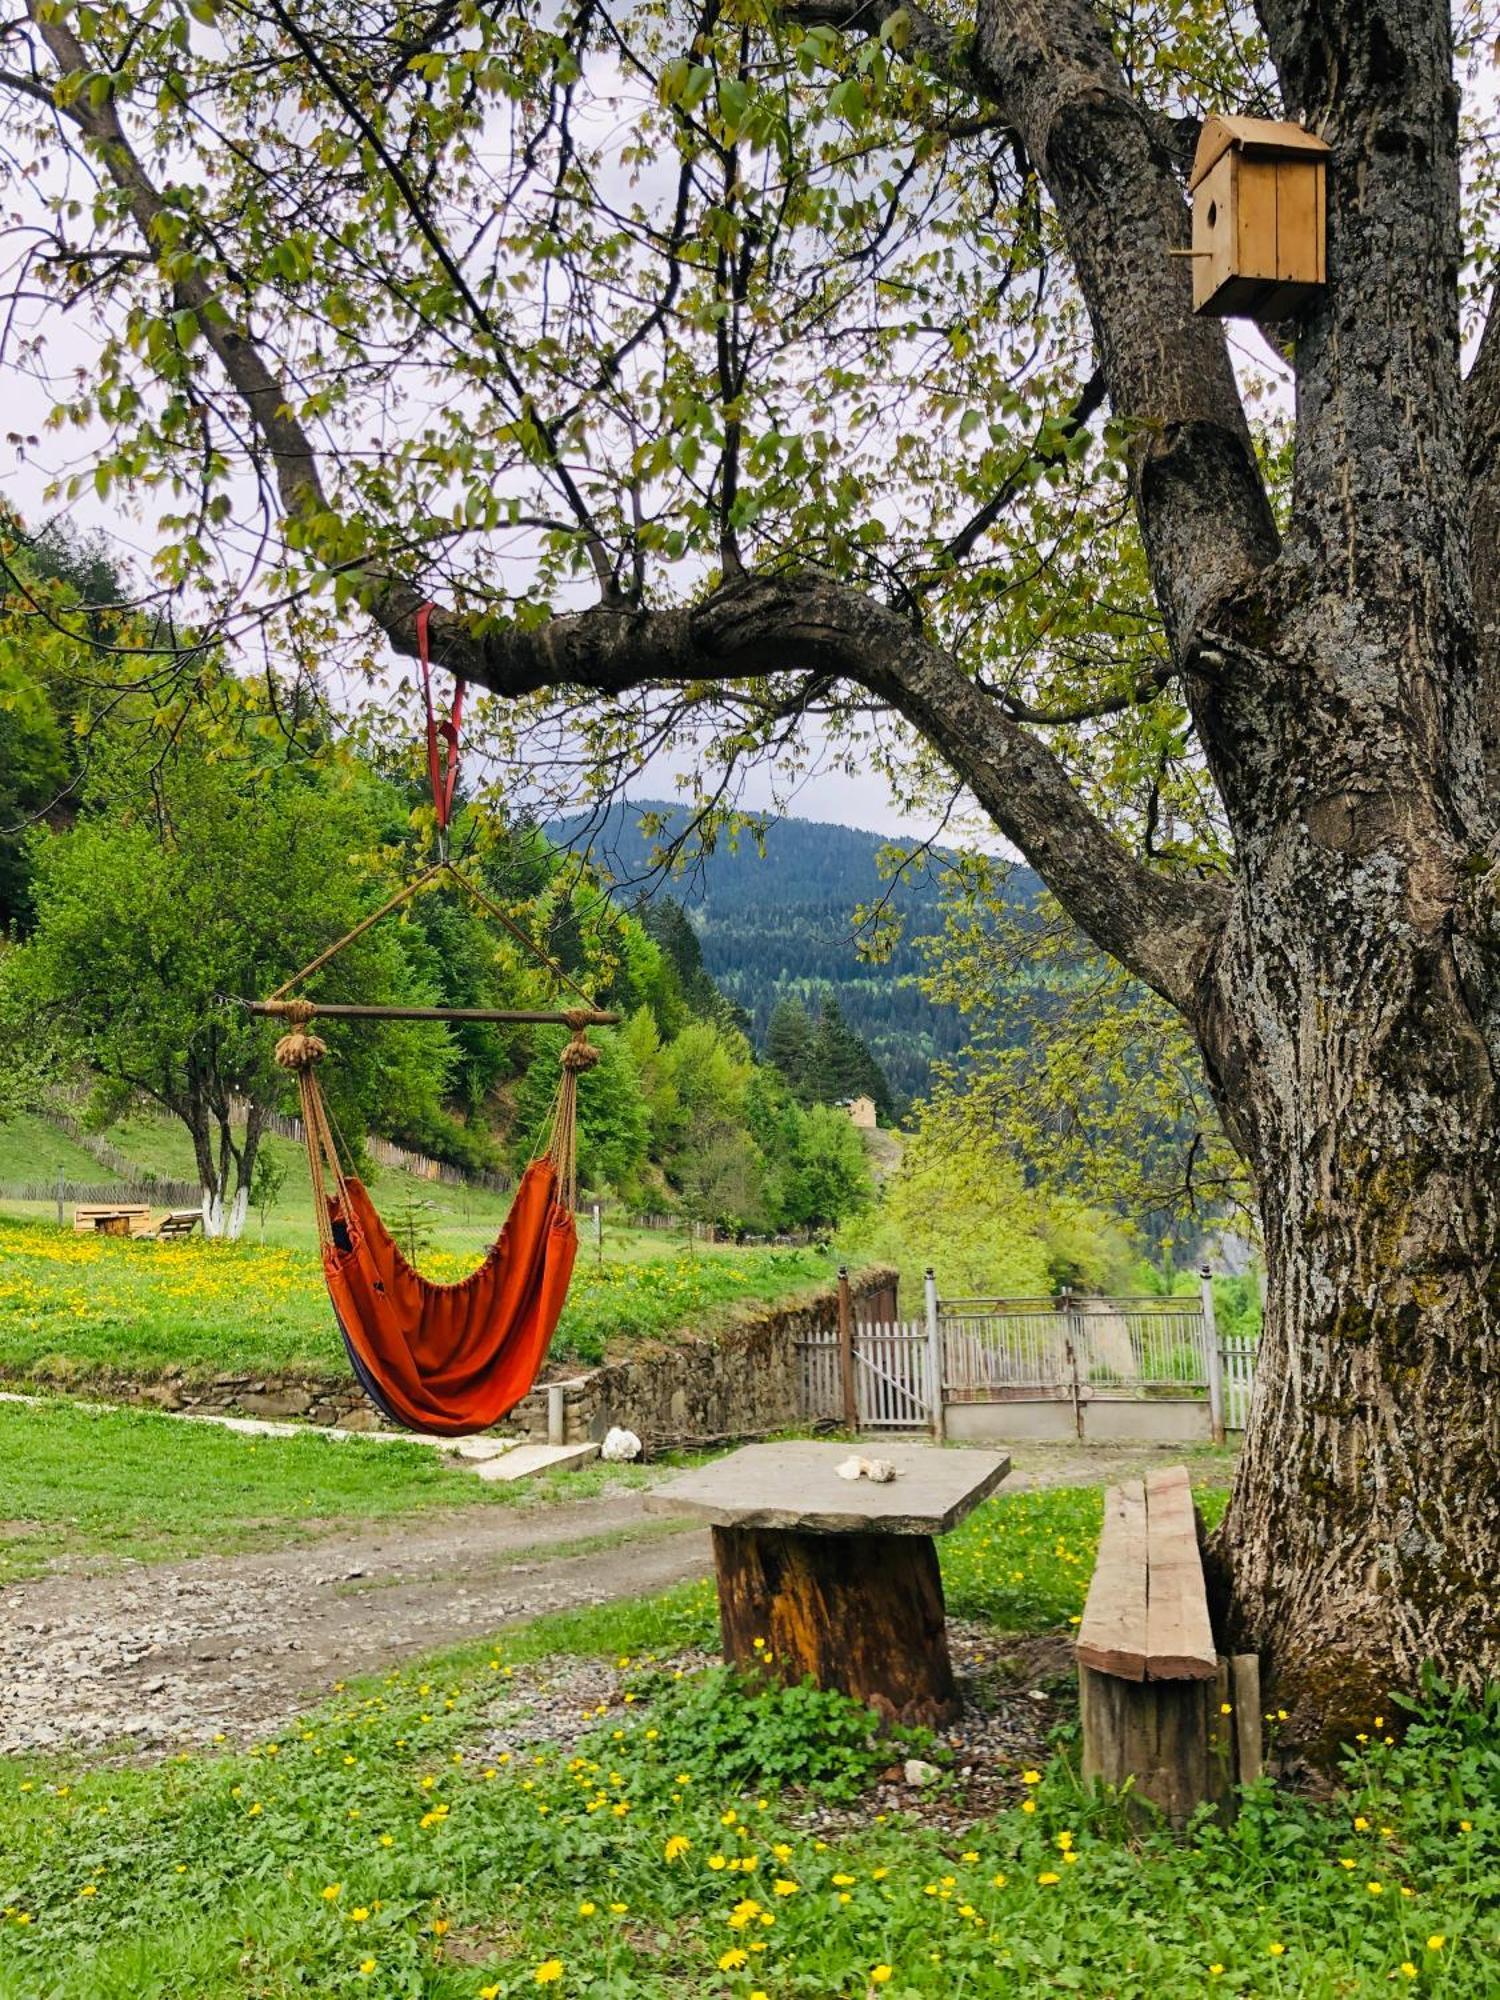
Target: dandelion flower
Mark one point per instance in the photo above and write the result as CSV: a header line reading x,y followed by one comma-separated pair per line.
x,y
1276,1949
332,1893
549,1972
733,1959
1436,1941
1047,1878
879,1974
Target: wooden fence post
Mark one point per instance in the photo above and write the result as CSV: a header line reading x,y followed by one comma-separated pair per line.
x,y
846,1353
1212,1356
59,1197
934,1355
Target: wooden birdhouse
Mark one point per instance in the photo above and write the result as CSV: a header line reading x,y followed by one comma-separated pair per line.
x,y
1260,201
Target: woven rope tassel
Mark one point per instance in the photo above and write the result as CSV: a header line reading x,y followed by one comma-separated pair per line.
x,y
578,1055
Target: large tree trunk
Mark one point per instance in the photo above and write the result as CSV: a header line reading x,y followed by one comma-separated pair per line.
x,y
1363,1537
1348,1014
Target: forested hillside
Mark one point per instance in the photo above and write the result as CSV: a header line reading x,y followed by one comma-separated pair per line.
x,y
781,923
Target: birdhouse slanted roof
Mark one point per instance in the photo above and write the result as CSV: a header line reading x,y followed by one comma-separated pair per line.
x,y
1250,135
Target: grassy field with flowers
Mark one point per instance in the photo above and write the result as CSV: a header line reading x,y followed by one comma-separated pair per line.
x,y
407,1839
76,1306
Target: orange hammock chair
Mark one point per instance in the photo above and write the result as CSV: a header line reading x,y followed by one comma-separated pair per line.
x,y
444,1359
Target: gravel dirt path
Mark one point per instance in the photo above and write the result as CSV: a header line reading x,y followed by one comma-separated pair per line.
x,y
148,1657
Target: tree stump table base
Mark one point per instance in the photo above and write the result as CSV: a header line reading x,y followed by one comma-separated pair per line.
x,y
837,1580
862,1613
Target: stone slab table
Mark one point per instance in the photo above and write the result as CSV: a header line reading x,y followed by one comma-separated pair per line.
x,y
838,1578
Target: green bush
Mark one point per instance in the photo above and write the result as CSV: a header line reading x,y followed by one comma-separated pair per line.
x,y
733,1732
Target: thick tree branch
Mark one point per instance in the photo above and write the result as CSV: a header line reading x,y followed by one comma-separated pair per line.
x,y
265,397
1380,428
1203,511
804,621
1482,474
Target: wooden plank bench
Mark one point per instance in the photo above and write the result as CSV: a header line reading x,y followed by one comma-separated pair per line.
x,y
177,1223
1162,1711
112,1218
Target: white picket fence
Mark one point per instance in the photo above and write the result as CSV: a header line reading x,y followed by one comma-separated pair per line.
x,y
999,1350
893,1384
1237,1357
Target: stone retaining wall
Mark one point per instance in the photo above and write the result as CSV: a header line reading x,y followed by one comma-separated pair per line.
x,y
738,1383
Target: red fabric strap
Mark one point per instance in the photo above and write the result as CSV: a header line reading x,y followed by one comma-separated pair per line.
x,y
442,737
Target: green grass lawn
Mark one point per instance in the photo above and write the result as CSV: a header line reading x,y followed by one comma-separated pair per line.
x,y
32,1149
385,1847
90,1485
72,1306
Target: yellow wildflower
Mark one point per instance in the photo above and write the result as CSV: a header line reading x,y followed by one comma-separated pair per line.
x,y
678,1844
549,1972
733,1959
879,1974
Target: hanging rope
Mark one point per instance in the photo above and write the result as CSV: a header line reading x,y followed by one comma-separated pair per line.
x,y
442,737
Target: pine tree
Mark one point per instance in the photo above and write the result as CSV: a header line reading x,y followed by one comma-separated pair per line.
x,y
789,1042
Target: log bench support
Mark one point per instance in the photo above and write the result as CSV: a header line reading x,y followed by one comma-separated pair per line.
x,y
1163,1713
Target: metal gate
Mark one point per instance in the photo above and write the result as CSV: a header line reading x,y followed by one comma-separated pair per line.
x,y
900,1375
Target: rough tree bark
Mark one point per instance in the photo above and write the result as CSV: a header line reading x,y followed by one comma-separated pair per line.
x,y
1343,684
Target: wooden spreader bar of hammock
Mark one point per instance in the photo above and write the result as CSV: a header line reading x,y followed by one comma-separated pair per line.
x,y
302,1010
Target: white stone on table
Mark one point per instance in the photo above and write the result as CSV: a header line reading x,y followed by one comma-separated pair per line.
x,y
796,1487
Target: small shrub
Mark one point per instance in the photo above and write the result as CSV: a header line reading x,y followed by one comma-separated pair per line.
x,y
736,1733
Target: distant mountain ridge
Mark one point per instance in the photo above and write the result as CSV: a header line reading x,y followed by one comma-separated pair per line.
x,y
783,922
